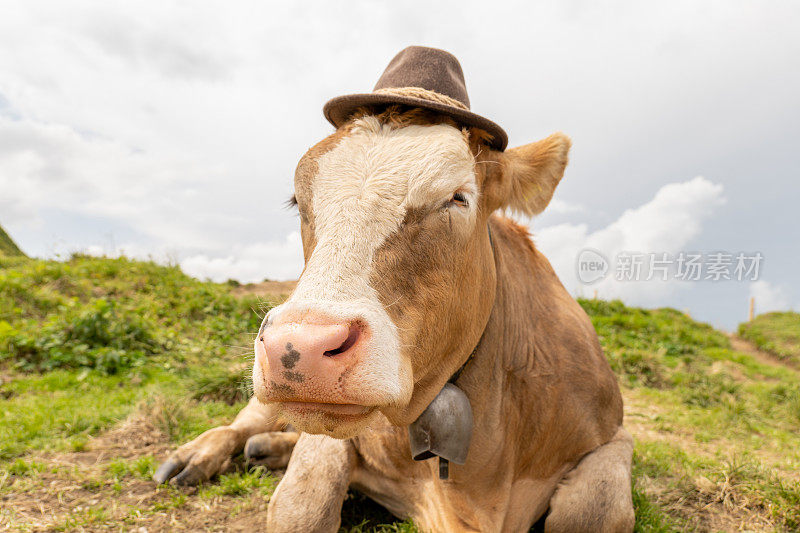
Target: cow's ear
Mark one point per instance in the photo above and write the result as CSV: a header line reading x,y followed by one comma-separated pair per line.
x,y
529,174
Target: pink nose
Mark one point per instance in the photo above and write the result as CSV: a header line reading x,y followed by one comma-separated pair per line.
x,y
306,360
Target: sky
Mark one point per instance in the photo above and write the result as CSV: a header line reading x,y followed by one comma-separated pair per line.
x,y
171,130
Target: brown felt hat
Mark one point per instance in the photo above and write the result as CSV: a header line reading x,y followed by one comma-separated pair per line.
x,y
420,77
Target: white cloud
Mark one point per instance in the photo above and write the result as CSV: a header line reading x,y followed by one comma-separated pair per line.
x,y
666,224
275,260
251,263
768,297
557,206
131,250
176,127
45,167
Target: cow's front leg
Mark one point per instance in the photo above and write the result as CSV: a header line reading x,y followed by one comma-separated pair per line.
x,y
309,497
211,453
596,495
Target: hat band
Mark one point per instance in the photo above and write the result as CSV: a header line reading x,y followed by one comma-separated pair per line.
x,y
423,94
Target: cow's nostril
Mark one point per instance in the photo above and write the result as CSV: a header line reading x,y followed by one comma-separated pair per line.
x,y
352,338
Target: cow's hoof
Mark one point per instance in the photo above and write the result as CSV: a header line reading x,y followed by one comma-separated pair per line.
x,y
167,470
200,459
272,449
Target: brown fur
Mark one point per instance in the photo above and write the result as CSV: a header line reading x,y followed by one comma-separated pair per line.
x,y
537,169
543,397
547,408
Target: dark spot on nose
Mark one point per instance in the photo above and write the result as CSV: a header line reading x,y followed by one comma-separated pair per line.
x,y
282,388
297,377
290,357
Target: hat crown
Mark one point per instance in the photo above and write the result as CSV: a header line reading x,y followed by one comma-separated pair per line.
x,y
428,68
418,77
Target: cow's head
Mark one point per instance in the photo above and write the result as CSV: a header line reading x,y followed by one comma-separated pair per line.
x,y
399,275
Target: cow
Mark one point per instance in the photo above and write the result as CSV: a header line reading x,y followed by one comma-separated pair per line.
x,y
414,280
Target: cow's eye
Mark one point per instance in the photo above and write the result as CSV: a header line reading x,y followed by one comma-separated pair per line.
x,y
458,200
292,203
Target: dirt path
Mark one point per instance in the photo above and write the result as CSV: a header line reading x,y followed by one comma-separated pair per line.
x,y
266,289
709,505
76,492
741,345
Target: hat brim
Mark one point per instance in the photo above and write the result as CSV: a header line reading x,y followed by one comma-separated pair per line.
x,y
339,109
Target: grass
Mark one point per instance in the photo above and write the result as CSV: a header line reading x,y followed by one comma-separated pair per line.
x,y
240,483
716,430
142,467
7,245
60,410
777,333
75,335
107,364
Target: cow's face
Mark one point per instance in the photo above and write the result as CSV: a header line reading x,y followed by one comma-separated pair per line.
x,y
399,276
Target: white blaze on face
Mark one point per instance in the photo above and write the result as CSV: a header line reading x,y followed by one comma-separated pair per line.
x,y
361,193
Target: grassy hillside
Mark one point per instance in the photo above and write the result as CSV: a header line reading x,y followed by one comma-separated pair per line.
x,y
716,429
7,245
777,333
107,364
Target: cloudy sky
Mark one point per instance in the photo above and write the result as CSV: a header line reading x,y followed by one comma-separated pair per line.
x,y
172,129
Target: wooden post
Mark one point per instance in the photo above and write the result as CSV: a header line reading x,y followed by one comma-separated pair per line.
x,y
751,313
595,294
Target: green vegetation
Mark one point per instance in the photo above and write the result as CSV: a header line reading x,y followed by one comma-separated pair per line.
x,y
88,341
143,467
716,430
777,333
99,336
7,246
240,483
107,364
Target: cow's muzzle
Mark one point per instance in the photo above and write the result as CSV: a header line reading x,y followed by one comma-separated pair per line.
x,y
305,363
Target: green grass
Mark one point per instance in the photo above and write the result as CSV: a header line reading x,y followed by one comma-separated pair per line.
x,y
7,246
778,333
88,342
240,483
727,419
59,411
142,467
